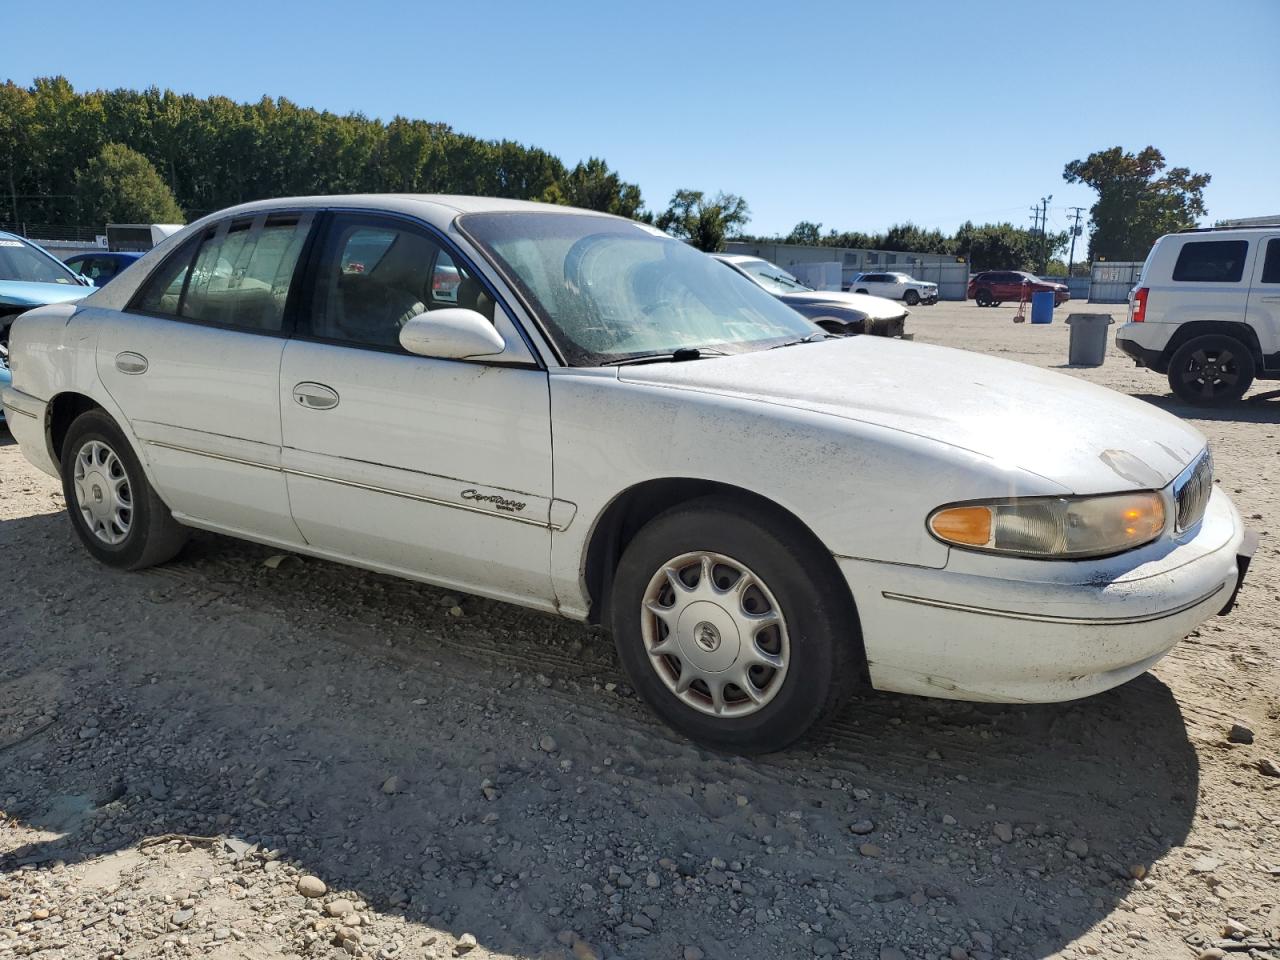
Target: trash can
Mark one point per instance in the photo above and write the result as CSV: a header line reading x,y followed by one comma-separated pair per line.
x,y
1088,339
1042,307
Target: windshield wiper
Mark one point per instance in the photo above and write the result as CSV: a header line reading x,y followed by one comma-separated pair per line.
x,y
811,338
676,356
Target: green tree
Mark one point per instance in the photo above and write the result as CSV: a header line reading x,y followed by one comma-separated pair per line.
x,y
120,185
593,186
1002,246
1138,200
805,232
704,222
909,238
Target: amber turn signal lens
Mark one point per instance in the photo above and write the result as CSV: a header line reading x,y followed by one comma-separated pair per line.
x,y
968,525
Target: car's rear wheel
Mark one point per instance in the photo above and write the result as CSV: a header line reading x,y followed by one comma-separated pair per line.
x,y
114,509
734,625
911,298
984,298
1211,369
861,290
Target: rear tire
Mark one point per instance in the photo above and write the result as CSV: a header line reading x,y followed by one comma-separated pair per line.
x,y
701,634
113,508
911,298
1211,369
861,290
983,298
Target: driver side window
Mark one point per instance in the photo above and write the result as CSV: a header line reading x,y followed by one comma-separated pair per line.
x,y
374,274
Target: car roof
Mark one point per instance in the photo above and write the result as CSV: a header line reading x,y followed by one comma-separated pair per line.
x,y
455,203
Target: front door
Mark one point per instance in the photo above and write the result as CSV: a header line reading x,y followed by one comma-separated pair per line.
x,y
439,469
194,365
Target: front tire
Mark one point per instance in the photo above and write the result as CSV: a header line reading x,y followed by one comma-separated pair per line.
x,y
1211,369
734,625
911,298
113,508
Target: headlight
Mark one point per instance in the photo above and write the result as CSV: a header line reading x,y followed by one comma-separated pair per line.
x,y
1053,527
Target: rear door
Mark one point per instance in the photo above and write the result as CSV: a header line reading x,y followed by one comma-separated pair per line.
x,y
1209,280
1263,309
194,364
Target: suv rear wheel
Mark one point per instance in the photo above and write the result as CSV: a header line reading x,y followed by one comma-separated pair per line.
x,y
1211,369
984,298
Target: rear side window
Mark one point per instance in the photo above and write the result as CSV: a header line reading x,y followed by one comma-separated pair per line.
x,y
1271,266
237,274
1211,261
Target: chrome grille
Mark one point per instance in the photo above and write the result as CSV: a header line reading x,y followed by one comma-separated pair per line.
x,y
1191,492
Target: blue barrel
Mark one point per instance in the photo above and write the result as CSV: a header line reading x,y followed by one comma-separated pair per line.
x,y
1042,307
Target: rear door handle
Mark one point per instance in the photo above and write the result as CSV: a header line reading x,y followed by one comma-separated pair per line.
x,y
1271,299
131,363
315,396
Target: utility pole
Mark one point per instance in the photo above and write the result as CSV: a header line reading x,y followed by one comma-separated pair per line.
x,y
1075,232
1044,233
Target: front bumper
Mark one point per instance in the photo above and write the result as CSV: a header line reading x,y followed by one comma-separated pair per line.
x,y
999,629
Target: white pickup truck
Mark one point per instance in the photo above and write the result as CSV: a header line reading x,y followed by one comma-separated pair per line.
x,y
896,286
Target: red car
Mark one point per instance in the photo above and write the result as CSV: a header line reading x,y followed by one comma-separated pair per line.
x,y
992,287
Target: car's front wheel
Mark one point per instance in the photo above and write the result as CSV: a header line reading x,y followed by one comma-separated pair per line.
x,y
1211,369
114,509
734,625
911,298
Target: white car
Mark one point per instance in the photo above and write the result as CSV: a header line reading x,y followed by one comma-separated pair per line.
x,y
896,286
604,423
1206,312
832,310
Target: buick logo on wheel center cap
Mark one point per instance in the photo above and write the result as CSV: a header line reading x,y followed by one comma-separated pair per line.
x,y
707,636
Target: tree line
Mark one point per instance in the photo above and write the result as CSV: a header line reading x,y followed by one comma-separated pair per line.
x,y
88,158
68,157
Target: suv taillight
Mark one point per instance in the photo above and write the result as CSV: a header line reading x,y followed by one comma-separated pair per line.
x,y
1140,304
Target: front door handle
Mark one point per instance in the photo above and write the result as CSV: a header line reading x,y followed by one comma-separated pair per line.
x,y
131,363
315,396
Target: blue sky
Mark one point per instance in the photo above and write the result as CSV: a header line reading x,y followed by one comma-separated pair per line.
x,y
853,115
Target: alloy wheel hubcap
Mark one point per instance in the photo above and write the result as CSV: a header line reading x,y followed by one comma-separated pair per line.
x,y
1213,373
714,634
103,495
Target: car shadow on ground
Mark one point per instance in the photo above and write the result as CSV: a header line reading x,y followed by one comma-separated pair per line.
x,y
1254,408
218,696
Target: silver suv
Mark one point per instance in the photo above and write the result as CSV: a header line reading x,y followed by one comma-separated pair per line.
x,y
1206,311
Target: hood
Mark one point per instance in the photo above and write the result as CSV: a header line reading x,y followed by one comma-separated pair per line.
x,y
878,308
1084,437
23,293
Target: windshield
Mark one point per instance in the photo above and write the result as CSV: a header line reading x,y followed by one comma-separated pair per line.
x,y
770,276
20,261
609,290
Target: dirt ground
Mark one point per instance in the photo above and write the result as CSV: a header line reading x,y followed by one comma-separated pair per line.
x,y
222,758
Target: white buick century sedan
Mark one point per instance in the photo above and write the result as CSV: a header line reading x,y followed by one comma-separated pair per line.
x,y
599,421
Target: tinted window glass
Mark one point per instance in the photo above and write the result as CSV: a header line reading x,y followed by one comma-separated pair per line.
x,y
1211,261
242,272
375,274
162,293
1271,266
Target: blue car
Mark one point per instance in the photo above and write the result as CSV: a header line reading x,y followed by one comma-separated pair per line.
x,y
100,267
30,277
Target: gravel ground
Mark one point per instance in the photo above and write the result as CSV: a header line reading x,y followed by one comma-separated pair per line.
x,y
231,759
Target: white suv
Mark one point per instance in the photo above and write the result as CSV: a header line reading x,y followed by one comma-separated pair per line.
x,y
896,286
1206,312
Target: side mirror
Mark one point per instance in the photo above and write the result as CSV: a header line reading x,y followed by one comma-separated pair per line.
x,y
453,333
